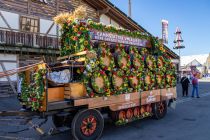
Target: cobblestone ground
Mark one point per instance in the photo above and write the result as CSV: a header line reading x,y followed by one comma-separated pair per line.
x,y
11,103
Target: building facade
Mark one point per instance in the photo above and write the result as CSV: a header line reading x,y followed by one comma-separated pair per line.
x,y
28,33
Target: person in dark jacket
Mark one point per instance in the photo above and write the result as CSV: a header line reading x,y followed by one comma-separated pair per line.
x,y
185,84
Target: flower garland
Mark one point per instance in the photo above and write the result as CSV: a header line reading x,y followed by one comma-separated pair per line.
x,y
134,75
133,50
170,80
160,80
161,63
32,94
123,57
123,88
75,37
138,62
120,31
144,51
104,89
105,54
151,62
149,80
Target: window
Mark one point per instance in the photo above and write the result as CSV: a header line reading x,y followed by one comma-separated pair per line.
x,y
29,24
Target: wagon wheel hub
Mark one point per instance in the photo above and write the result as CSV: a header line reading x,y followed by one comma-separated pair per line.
x,y
161,108
88,126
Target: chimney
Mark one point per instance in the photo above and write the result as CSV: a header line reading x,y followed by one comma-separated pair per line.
x,y
129,8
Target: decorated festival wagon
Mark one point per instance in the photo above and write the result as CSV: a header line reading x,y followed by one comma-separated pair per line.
x,y
101,70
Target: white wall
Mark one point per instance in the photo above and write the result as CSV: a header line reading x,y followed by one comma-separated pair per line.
x,y
9,66
105,19
108,21
11,18
45,25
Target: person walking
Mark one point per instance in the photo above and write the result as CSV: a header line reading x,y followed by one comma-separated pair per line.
x,y
185,84
195,86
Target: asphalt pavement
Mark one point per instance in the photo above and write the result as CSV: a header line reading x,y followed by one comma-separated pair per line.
x,y
190,120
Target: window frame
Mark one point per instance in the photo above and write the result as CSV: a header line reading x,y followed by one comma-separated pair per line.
x,y
31,19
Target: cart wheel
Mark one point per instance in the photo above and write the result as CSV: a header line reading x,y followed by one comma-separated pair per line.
x,y
159,110
88,124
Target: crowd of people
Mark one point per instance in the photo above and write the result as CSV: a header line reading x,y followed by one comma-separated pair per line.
x,y
186,82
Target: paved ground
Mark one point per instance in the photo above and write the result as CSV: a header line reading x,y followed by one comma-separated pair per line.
x,y
190,120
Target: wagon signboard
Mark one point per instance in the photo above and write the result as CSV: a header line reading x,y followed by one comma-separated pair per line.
x,y
115,38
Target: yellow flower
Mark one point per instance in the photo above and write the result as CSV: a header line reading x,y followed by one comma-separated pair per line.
x,y
86,43
81,28
97,62
67,47
75,30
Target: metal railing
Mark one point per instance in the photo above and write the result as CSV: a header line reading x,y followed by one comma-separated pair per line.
x,y
28,39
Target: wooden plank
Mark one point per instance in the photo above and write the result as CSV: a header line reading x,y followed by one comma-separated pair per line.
x,y
8,78
107,101
168,93
124,100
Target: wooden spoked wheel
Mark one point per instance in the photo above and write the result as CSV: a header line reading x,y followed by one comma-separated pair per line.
x,y
129,114
136,112
87,124
159,109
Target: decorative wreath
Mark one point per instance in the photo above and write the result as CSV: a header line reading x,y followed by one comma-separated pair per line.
x,y
123,61
119,48
144,51
100,83
149,80
160,80
133,50
151,62
136,81
119,81
170,78
138,62
161,63
106,60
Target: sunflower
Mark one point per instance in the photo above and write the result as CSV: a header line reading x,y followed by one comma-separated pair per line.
x,y
86,43
75,30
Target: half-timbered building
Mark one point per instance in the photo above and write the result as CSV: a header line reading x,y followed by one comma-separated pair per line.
x,y
28,34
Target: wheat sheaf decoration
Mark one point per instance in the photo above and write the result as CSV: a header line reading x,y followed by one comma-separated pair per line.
x,y
79,13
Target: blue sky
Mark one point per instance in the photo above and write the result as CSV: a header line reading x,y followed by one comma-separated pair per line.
x,y
191,16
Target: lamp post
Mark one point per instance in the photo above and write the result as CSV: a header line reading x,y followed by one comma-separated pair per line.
x,y
178,45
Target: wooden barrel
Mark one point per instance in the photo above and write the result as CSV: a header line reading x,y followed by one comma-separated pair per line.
x,y
137,62
119,81
136,80
161,63
160,80
151,62
122,60
149,80
106,61
100,82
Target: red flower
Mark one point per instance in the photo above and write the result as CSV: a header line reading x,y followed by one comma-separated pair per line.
x,y
142,58
102,72
105,68
91,94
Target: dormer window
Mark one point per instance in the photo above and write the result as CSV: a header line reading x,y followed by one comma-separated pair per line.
x,y
29,24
